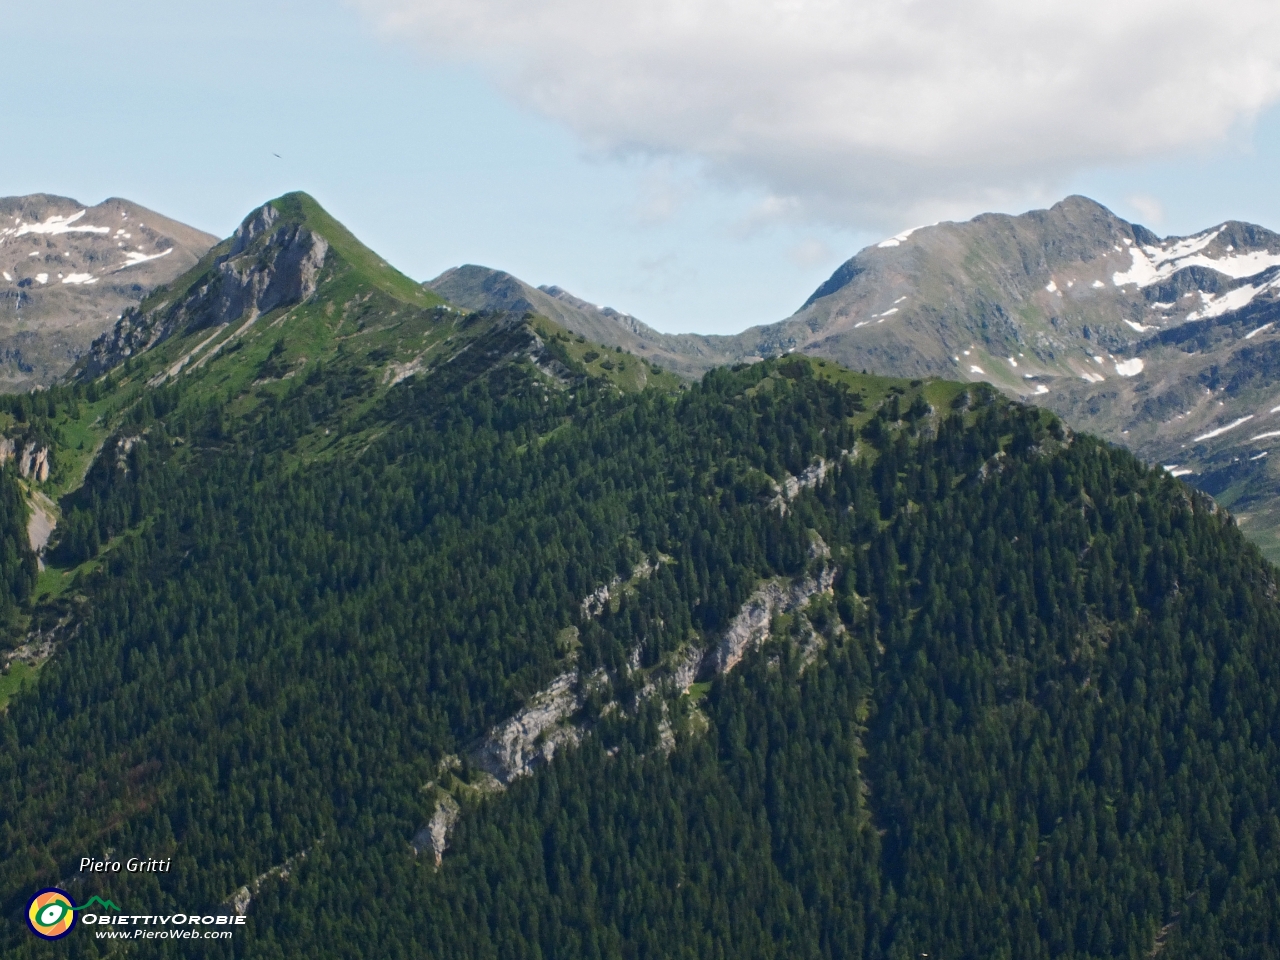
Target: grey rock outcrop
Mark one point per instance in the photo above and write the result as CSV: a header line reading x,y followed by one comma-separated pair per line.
x,y
751,626
532,737
809,478
435,835
32,459
265,265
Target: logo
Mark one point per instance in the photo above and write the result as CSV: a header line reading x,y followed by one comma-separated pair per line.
x,y
51,914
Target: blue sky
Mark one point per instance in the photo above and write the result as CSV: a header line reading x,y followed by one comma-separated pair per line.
x,y
435,162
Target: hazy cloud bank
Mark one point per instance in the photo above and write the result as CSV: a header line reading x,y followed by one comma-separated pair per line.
x,y
865,112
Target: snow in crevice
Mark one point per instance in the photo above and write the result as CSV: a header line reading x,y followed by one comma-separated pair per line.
x,y
53,226
1257,330
1140,327
135,257
84,278
1221,430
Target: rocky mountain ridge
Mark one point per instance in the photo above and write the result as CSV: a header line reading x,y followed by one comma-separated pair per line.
x,y
1163,345
482,288
68,271
253,272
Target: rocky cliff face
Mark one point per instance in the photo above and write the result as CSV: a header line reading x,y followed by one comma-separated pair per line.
x,y
32,458
532,737
68,272
266,264
751,626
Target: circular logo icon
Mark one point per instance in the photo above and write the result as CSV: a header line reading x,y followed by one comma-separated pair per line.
x,y
50,914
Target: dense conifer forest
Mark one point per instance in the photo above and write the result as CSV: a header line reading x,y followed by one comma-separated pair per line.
x,y
1035,715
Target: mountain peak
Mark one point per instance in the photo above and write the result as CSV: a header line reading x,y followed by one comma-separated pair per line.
x,y
277,257
68,270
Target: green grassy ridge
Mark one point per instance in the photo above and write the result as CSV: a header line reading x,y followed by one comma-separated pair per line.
x,y
299,208
305,209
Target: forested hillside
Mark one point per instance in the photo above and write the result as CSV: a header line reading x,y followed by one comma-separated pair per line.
x,y
1014,694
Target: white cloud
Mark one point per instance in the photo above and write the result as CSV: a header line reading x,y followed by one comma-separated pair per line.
x,y
811,252
1149,208
884,110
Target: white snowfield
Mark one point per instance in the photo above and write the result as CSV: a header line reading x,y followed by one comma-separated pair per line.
x,y
1153,264
85,278
52,227
1140,327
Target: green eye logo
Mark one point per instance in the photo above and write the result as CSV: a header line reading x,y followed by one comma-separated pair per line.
x,y
51,914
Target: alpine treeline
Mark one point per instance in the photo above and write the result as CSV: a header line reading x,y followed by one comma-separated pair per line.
x,y
1044,721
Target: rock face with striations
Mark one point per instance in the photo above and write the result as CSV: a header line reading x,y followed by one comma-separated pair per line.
x,y
67,273
266,264
532,737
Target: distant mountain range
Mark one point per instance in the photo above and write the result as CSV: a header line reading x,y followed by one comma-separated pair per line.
x,y
68,271
1165,345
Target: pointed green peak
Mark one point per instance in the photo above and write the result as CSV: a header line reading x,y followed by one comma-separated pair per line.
x,y
298,208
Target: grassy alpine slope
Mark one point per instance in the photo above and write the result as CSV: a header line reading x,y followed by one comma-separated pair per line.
x,y
1032,715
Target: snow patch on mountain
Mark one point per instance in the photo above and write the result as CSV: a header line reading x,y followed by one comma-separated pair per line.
x,y
898,238
1129,368
1236,299
53,226
135,257
1152,265
1221,430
